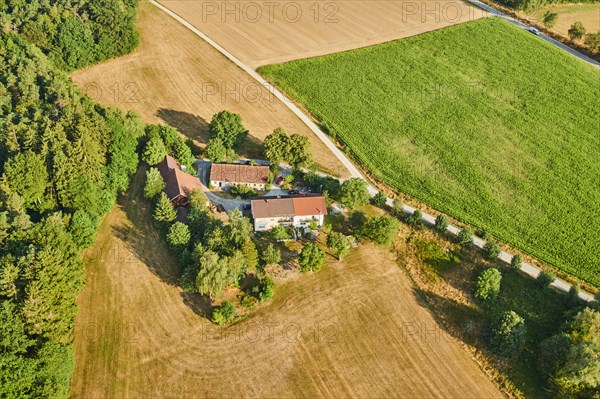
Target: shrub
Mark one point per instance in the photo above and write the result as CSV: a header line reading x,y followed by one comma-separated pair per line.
x,y
397,208
545,278
243,191
223,313
516,262
339,244
487,285
415,219
508,334
271,255
381,229
484,235
311,258
248,301
592,40
550,18
441,223
576,31
379,199
491,250
265,289
465,237
279,233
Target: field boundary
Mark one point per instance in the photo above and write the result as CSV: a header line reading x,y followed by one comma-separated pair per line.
x,y
526,267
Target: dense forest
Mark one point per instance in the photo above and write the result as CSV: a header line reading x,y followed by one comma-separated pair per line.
x,y
63,161
73,33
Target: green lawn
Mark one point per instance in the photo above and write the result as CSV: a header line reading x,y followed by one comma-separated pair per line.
x,y
483,121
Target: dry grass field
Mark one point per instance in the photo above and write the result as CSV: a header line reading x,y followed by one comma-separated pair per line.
x,y
177,78
588,14
262,33
355,329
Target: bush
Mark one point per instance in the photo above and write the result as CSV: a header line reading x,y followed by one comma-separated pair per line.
x,y
379,199
223,313
381,229
415,219
491,250
516,262
311,258
280,233
545,278
271,255
487,285
465,237
550,18
397,208
265,289
339,244
484,235
243,191
441,223
508,334
576,31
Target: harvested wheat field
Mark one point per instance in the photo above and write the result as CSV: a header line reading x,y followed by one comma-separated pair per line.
x,y
177,78
262,33
355,329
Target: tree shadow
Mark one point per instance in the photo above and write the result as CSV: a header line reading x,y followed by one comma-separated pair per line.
x,y
192,126
462,322
195,127
146,243
199,304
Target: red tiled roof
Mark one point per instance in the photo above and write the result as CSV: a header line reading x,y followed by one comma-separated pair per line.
x,y
237,173
305,205
309,205
177,182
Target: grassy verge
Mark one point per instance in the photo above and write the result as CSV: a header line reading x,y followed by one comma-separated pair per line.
x,y
483,121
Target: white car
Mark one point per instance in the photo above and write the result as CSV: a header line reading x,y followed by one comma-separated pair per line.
x,y
533,30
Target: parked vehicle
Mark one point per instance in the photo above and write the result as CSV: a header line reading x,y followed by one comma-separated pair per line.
x,y
279,180
294,192
246,207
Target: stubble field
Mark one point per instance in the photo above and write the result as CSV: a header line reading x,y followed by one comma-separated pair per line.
x,y
261,33
355,329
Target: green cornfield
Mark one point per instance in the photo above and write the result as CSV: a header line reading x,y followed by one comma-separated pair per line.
x,y
483,121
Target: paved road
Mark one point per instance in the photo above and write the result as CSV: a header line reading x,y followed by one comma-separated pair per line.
x,y
354,172
513,21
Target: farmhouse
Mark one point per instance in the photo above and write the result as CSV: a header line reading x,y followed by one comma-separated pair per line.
x,y
226,175
178,184
297,211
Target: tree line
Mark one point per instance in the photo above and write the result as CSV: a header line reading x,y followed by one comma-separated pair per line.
x,y
73,33
63,161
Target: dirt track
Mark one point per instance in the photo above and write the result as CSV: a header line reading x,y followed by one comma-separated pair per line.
x,y
355,329
261,33
177,78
